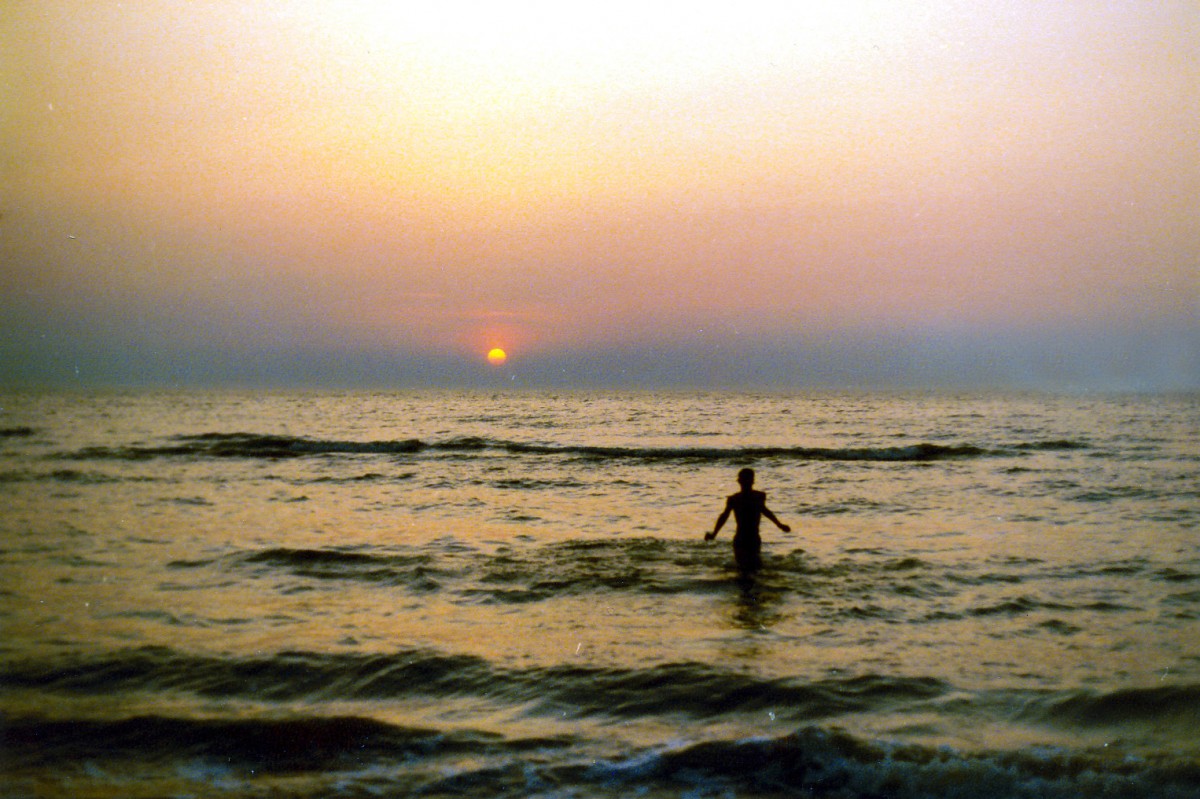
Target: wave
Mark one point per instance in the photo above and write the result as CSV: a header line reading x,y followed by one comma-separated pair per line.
x,y
1166,705
271,745
683,690
280,728
415,571
70,476
252,445
871,583
818,762
16,432
680,690
509,575
364,756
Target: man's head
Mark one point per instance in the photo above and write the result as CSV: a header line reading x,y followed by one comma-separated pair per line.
x,y
745,478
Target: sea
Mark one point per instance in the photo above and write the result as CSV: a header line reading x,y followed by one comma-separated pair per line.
x,y
507,593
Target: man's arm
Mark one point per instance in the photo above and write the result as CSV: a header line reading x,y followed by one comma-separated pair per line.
x,y
778,523
720,521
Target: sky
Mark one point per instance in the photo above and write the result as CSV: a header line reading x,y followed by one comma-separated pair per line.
x,y
724,194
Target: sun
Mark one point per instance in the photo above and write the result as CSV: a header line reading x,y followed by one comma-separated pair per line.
x,y
497,356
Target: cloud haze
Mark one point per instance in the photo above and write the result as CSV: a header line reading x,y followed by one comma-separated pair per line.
x,y
620,194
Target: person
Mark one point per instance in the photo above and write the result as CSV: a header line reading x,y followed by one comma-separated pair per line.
x,y
748,507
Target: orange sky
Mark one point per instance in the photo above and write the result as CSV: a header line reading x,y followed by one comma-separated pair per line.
x,y
233,181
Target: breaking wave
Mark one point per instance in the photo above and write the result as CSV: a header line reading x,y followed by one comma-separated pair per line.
x,y
387,760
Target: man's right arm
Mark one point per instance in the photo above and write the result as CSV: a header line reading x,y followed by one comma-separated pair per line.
x,y
720,521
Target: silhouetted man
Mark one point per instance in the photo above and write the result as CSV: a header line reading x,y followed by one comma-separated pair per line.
x,y
747,507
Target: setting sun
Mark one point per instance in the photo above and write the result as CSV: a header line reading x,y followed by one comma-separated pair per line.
x,y
497,356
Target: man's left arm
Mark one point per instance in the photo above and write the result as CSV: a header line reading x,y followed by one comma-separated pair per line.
x,y
779,524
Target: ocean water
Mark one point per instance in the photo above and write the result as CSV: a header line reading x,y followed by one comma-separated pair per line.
x,y
509,594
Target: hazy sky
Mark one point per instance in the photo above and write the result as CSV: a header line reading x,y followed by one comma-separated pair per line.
x,y
786,193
